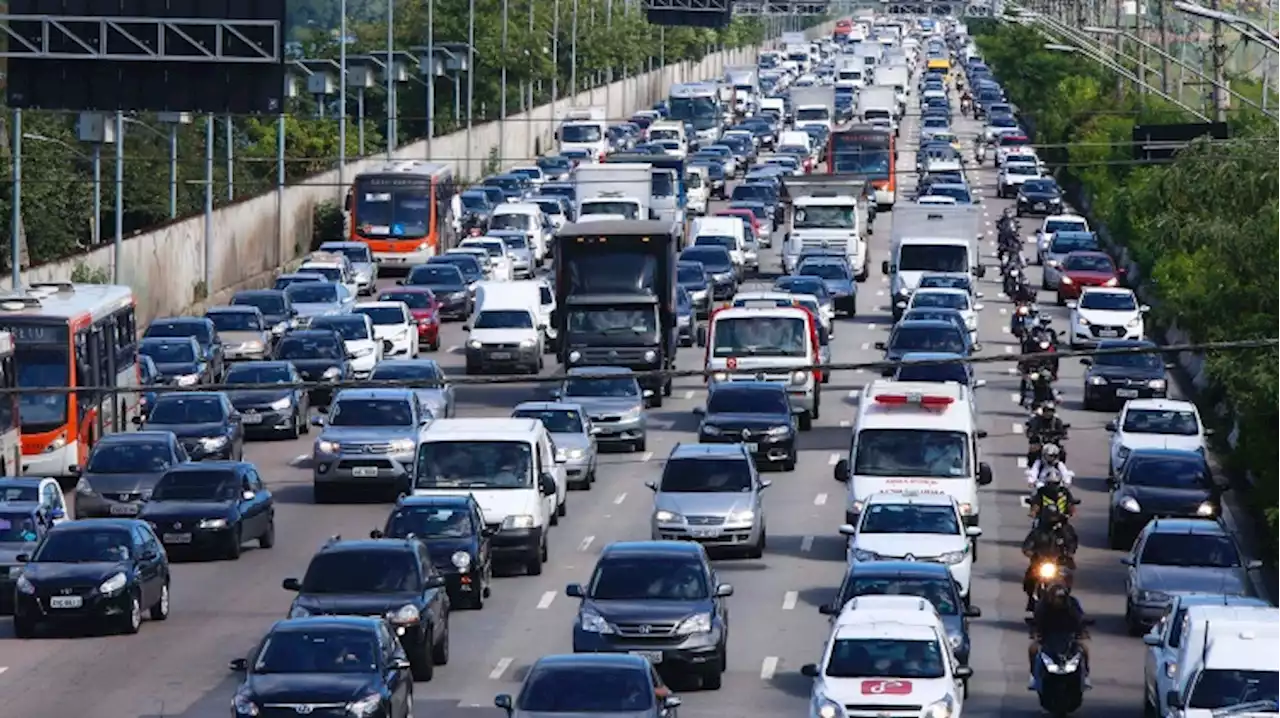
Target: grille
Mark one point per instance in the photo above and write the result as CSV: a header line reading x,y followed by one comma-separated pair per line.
x,y
613,356
656,628
1099,330
501,346
704,520
877,710
310,710
125,496
364,463
762,376
190,444
365,448
832,244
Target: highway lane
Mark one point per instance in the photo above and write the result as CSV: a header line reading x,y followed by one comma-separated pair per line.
x,y
221,608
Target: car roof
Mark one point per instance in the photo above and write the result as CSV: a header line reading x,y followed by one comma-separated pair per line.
x,y
26,507
1199,527
740,386
925,323
653,548
1108,290
168,340
375,393
191,395
233,309
596,370
378,304
1088,253
547,406
1161,405
135,437
23,481
899,569
427,500
583,660
707,451
1162,453
313,333
1123,343
104,523
267,363
310,623
910,497
176,320
341,545
196,467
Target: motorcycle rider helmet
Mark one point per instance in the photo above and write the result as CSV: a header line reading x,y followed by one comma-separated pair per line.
x,y
1046,409
1050,453
1058,593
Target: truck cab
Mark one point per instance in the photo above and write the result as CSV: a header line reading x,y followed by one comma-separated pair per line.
x,y
928,239
827,212
585,129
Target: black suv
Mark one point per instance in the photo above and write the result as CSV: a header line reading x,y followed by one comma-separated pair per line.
x,y
394,578
657,599
757,414
456,537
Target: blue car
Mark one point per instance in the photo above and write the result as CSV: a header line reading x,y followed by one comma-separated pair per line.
x,y
838,278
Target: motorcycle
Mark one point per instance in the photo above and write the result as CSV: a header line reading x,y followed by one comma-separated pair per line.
x,y
1024,317
1037,389
1037,440
1013,278
965,105
980,152
1059,674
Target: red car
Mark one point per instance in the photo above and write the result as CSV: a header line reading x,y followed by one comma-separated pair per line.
x,y
1086,269
425,309
747,217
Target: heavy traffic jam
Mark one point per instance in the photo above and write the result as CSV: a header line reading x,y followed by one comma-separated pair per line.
x,y
749,405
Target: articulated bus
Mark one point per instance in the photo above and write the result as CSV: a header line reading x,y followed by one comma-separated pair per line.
x,y
403,211
82,336
868,151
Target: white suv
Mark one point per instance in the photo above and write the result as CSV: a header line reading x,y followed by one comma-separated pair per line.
x,y
1106,313
1155,424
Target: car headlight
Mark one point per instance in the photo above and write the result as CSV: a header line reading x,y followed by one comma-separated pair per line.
x,y
864,555
527,344
1082,321
651,356
799,377
369,706
461,560
1124,452
711,430
1134,323
56,444
243,706
576,453
280,328
697,623
455,296
83,488
518,521
188,379
213,523
1206,509
24,586
1157,384
1097,381
944,708
406,614
592,622
952,558
474,344
663,516
114,584
575,356
956,640
632,413
1067,280
1130,504
904,292
744,516
332,372
299,612
363,352
281,404
780,430
1154,596
399,446
1111,282
327,447
213,442
830,709
719,376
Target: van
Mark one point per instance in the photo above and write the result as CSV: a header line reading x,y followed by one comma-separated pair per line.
x,y
1238,652
697,184
509,466
525,217
533,294
670,131
727,232
504,335
796,138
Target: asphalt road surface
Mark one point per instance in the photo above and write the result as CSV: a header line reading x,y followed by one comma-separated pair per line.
x,y
220,609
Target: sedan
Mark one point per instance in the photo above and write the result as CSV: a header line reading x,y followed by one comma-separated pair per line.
x,y
427,380
212,508
924,336
244,332
575,685
179,360
121,471
1086,269
425,310
1113,379
573,435
1160,482
272,411
757,414
206,423
613,401
1155,424
1042,196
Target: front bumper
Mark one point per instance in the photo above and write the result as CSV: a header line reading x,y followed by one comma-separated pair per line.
x,y
846,303
94,506
719,536
1145,612
93,606
403,259
763,447
186,536
379,470
506,358
578,470
884,197
1115,394
683,653
516,544
620,430
1088,336
1026,206
455,309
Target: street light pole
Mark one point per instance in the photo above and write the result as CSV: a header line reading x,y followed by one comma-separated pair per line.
x,y
502,86
119,243
391,86
15,216
573,51
471,77
96,235
342,93
431,76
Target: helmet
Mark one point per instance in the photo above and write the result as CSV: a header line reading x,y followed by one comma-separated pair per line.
x,y
1058,593
1047,408
1051,452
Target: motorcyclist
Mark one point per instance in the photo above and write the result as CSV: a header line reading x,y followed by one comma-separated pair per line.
x,y
1051,539
1044,428
1053,493
1060,614
1050,461
1021,319
966,102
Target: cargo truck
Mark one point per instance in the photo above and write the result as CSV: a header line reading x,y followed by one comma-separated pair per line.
x,y
878,106
612,191
931,239
828,214
814,105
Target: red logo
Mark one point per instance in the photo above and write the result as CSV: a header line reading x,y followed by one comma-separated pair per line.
x,y
731,362
886,688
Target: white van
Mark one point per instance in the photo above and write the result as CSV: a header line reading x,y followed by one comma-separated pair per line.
x,y
697,189
727,232
670,131
504,335
1224,646
534,294
509,466
525,217
796,138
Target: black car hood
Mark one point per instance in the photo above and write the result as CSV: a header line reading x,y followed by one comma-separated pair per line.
x,y
59,574
640,611
313,368
1127,372
178,369
257,397
310,687
355,604
176,510
1040,196
746,421
1158,500
187,430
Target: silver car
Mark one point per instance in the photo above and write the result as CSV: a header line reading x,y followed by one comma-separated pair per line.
x,y
317,299
243,330
571,432
710,493
427,380
370,439
522,264
363,268
613,400
1181,556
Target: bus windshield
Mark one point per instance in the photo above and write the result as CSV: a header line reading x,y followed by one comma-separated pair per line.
x,y
702,112
394,214
38,367
862,159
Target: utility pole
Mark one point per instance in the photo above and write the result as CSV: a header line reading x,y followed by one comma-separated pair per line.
x,y
1116,56
1219,57
1140,47
1162,8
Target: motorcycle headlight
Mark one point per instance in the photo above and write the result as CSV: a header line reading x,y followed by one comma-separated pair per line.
x,y
243,706
944,708
592,622
518,521
1206,509
368,706
663,516
461,560
24,586
188,379
406,614
213,523
952,558
697,623
1130,504
1157,384
299,612
281,404
113,584
332,372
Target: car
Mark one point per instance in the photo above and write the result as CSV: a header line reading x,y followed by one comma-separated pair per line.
x,y
614,403
121,471
1040,195
1160,482
1155,424
427,380
44,492
206,423
1081,269
571,432
754,414
914,526
554,168
244,332
425,310
1058,223
212,508
754,226
643,591
280,411
319,356
393,325
1012,176
1113,379
105,573
361,344
1181,555
392,578
838,278
941,192
686,318
932,581
284,281
519,251
274,304
1056,250
472,261
369,441
949,280
203,330
350,661
317,299
815,286
453,529
603,685
939,314
23,524
937,367
363,266
513,186
713,495
450,287
761,212
179,360
940,298
927,336
1105,313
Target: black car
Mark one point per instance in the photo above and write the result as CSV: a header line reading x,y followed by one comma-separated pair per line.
x,y
597,685
179,360
476,208
212,508
456,537
719,264
658,599
755,413
935,336
122,469
1168,483
925,579
495,194
201,329
695,279
269,411
103,572
469,264
22,525
1113,379
352,663
394,578
275,305
204,421
449,285
319,356
148,379
554,167
1039,196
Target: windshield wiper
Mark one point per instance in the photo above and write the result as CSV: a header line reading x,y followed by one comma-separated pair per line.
x,y
1263,706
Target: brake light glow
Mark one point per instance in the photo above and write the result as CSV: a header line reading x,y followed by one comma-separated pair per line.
x,y
928,402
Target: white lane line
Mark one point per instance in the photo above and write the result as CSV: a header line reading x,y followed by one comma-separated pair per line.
x,y
499,668
853,393
3,669
688,395
820,500
586,543
872,327
1004,310
1022,462
879,292
1008,349
768,667
1013,370
647,455
1015,398
1017,428
300,458
1004,330
806,544
866,346
545,602
845,423
619,498
454,350
789,600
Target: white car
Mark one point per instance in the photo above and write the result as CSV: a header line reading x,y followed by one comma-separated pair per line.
x,y
1106,313
1012,175
944,298
393,325
936,200
914,527
501,266
1061,222
1155,424
1024,156
358,337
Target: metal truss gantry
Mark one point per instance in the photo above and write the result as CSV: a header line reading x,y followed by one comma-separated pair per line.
x,y
804,8
721,7
143,39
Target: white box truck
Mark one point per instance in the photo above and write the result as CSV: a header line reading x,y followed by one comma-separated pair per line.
x,y
585,128
612,191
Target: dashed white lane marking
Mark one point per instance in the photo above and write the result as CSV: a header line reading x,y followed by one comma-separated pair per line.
x,y
299,459
853,393
768,667
499,668
1015,398
1022,462
1004,310
454,350
845,423
619,498
1017,428
1013,370
3,669
1004,330
547,598
806,544
872,327
647,455
866,346
879,292
1009,350
586,543
789,600
688,395
820,500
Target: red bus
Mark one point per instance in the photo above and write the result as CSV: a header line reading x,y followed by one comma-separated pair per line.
x,y
868,151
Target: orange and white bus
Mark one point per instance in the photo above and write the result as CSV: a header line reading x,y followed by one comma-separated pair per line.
x,y
82,336
403,211
10,436
870,152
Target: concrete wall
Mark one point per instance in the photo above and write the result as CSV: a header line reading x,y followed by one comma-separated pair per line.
x,y
254,237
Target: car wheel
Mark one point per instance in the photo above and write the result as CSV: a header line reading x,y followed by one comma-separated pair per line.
x,y
304,420
533,564
235,542
132,620
23,627
440,652
757,551
420,661
322,494
268,537
160,611
563,508
806,421
295,428
789,464
711,677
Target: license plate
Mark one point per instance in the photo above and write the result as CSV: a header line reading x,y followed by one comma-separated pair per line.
x,y
365,471
650,656
66,602
124,510
1108,333
251,418
753,447
176,538
1039,205
500,355
704,532
1127,393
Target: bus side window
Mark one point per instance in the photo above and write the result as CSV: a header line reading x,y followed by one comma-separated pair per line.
x,y
84,373
8,402
350,200
125,339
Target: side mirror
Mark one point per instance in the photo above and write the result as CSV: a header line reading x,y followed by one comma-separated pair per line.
x,y
22,558
1087,361
1173,699
376,534
702,336
317,421
291,584
504,702
980,433
884,267
57,514
881,346
547,485
1151,639
973,531
653,485
984,474
1144,308
699,411
556,393
1126,560
1253,565
466,327
978,307
979,383
841,471
671,702
848,529
387,346
828,609
436,581
239,664
400,282
765,483
137,421
724,590
1111,426
809,670
972,612
574,590
149,555
964,673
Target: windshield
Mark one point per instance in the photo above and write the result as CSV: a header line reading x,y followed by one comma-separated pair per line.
x,y
553,164
446,272
1089,263
383,316
329,274
269,304
474,464
702,112
413,300
1065,242
940,300
361,572
1039,185
629,210
825,270
504,319
868,161
510,220
933,258
371,412
169,352
84,546
939,592
796,284
752,191
358,254
778,336
180,329
926,339
1150,361
824,218
602,387
932,373
1155,421
1109,301
959,194
429,523
706,476
132,457
587,690
505,182
17,527
550,207
1226,688
197,486
424,374
1022,170
1167,472
310,348
730,400
711,258
580,133
910,519
313,293
40,368
178,409
1188,549
711,240
515,241
662,184
557,421
691,274
911,453
649,578
475,202
327,650
350,328
885,658
401,214
236,321
930,281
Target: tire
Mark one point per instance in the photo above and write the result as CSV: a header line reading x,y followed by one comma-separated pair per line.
x,y
555,517
563,508
132,621
757,551
420,661
296,429
641,444
533,564
322,494
160,611
1131,625
268,537
656,400
711,676
789,464
304,419
235,544
440,651
23,627
806,421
